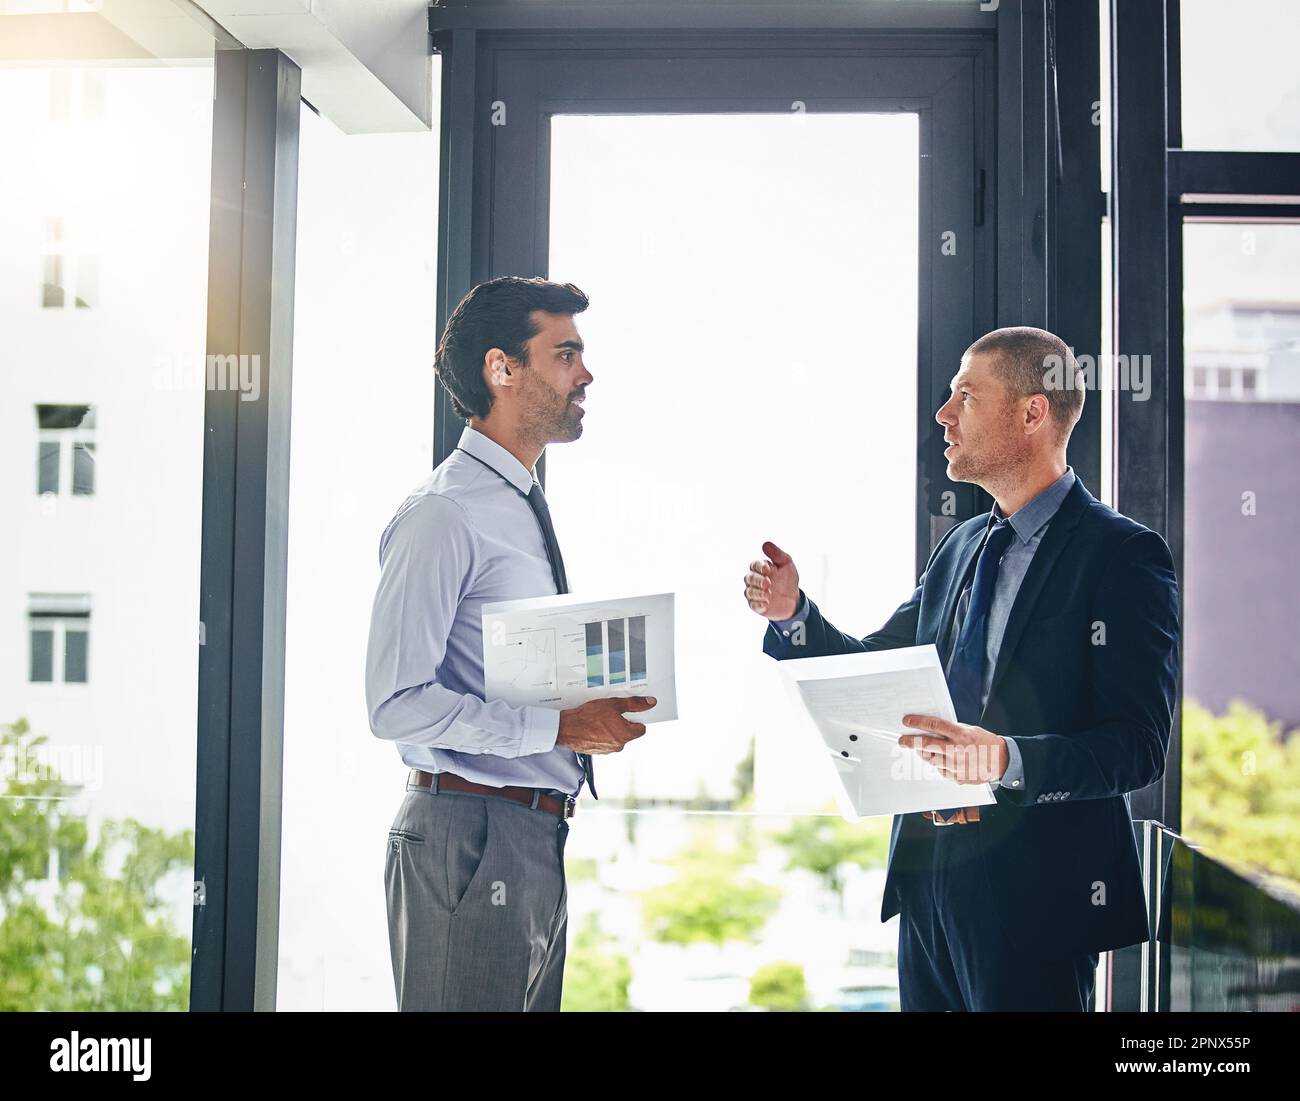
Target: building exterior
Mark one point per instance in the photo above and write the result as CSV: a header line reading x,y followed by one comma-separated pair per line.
x,y
101,430
1244,351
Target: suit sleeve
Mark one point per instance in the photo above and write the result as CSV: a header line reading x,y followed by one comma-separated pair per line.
x,y
809,634
1133,675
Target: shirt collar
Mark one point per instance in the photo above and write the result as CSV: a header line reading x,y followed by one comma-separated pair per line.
x,y
1030,518
487,450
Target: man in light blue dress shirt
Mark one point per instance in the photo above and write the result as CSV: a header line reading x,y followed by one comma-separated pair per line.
x,y
474,870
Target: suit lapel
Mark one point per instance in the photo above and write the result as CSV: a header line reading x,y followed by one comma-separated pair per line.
x,y
965,556
1054,542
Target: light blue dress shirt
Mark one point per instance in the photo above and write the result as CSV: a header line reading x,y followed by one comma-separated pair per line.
x,y
1030,523
464,538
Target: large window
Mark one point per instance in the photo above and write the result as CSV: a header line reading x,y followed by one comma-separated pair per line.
x,y
1240,261
106,173
753,340
59,631
65,450
363,385
1241,701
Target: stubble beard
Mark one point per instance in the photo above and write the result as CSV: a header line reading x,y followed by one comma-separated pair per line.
x,y
551,418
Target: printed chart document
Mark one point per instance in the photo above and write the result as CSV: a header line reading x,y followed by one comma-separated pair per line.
x,y
857,703
561,651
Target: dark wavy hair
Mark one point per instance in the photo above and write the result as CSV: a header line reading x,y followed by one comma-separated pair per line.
x,y
495,314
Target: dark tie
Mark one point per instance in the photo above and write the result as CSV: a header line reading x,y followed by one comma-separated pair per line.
x,y
966,669
537,502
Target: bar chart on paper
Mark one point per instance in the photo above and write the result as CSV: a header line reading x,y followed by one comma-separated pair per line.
x,y
616,651
559,652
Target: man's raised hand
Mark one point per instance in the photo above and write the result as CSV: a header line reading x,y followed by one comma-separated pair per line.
x,y
772,584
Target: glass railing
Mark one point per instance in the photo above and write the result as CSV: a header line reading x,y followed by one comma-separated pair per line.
x,y
1227,939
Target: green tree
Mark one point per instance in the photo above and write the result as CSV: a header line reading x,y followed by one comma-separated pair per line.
x,y
779,985
710,900
98,938
596,976
1241,788
826,844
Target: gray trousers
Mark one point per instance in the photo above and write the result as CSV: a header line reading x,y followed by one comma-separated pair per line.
x,y
477,903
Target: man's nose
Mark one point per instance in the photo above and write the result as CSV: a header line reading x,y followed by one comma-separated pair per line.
x,y
943,413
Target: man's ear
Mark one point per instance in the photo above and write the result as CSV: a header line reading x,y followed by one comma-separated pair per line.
x,y
1038,413
496,368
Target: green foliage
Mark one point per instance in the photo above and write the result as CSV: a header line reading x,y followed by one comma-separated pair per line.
x,y
596,977
580,869
99,938
825,845
711,900
779,985
1241,788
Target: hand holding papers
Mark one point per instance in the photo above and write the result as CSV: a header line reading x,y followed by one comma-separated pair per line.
x,y
857,703
563,651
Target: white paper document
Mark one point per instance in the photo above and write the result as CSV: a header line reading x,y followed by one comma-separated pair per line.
x,y
857,703
561,651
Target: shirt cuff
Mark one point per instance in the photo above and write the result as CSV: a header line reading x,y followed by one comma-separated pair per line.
x,y
541,728
1014,777
785,626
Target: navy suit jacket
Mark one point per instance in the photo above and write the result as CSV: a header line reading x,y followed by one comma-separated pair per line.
x,y
1084,681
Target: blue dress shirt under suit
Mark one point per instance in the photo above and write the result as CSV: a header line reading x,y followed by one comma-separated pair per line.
x,y
464,538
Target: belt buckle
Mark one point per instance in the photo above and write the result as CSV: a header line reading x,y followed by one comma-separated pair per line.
x,y
570,806
950,822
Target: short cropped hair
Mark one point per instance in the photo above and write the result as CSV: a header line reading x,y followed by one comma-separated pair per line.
x,y
1034,361
495,314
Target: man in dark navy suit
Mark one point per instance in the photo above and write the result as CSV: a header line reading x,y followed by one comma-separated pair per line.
x,y
1057,622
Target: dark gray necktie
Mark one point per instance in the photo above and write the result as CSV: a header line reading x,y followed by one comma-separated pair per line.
x,y
537,502
969,658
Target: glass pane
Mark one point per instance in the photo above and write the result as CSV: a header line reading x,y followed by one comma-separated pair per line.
x,y
65,416
825,234
83,468
364,310
52,286
41,665
111,164
75,648
1241,698
87,282
1240,81
47,467
673,909
745,342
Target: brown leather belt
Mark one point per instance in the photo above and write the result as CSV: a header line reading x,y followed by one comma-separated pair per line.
x,y
963,816
565,807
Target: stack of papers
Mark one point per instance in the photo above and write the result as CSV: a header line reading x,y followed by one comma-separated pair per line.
x,y
856,703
